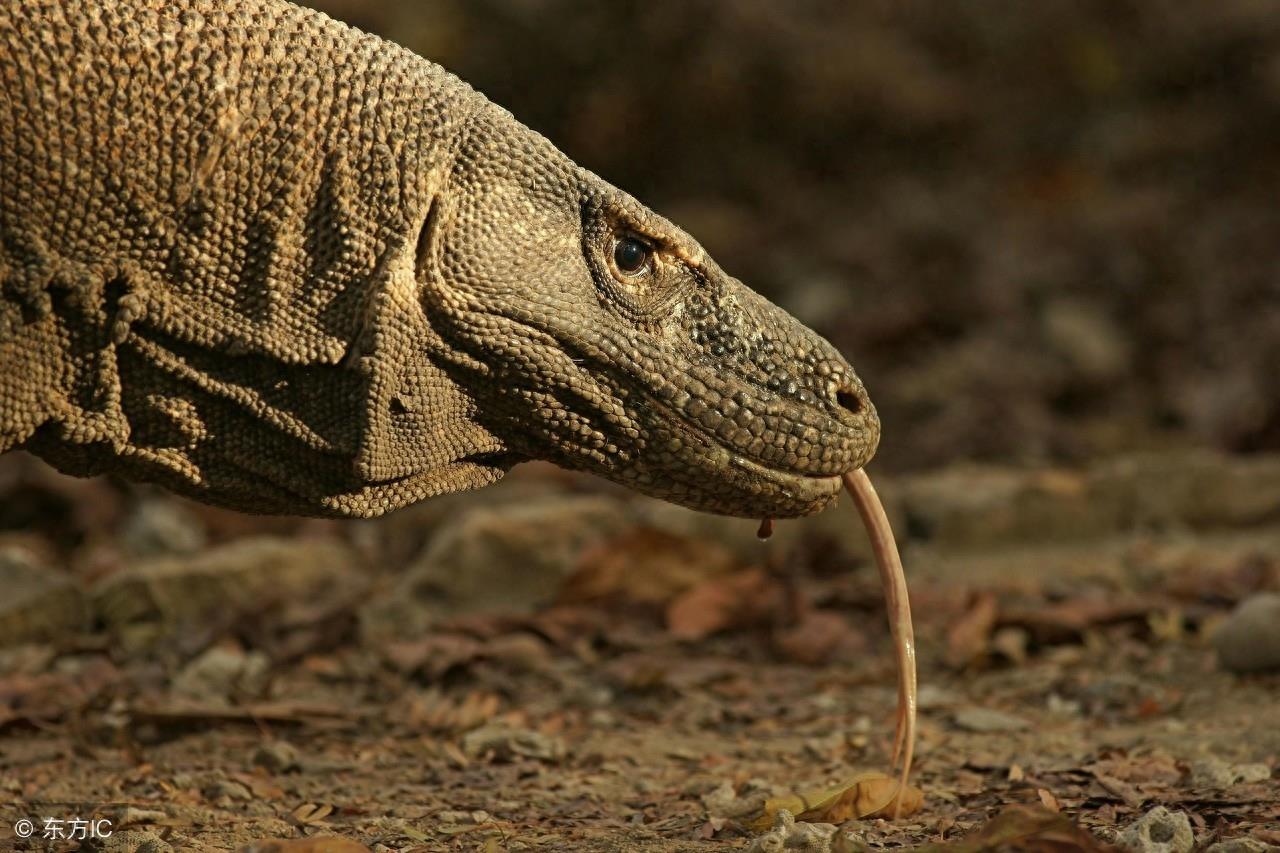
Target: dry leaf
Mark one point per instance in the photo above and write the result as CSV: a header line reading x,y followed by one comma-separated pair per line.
x,y
318,844
311,813
1029,829
862,796
816,637
731,601
1068,620
260,787
969,637
646,566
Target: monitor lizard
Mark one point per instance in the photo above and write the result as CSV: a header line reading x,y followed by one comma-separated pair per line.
x,y
274,263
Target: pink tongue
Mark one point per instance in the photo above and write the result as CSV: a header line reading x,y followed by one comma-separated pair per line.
x,y
895,595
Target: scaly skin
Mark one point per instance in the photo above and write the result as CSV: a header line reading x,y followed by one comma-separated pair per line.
x,y
275,263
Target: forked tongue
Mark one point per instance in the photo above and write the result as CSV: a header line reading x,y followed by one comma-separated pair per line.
x,y
899,607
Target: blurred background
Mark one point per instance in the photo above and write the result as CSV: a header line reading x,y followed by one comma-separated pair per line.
x,y
1040,231
1046,234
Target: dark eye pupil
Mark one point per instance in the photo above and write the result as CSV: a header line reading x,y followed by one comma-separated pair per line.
x,y
630,255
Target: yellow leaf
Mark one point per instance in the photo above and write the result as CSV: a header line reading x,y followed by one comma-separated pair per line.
x,y
861,796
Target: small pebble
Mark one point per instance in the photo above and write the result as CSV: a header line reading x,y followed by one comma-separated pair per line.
x,y
457,816
159,527
277,757
1212,773
787,834
506,744
1249,641
986,721
222,672
1215,773
1159,831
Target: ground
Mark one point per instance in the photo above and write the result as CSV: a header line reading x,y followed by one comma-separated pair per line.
x,y
552,664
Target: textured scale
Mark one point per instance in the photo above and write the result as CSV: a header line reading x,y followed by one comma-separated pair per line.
x,y
272,262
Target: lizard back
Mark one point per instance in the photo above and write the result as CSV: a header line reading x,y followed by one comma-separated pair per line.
x,y
208,216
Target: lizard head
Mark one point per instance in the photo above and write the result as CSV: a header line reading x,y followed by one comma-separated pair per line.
x,y
596,334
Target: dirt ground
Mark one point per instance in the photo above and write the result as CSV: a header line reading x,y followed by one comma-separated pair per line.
x,y
552,664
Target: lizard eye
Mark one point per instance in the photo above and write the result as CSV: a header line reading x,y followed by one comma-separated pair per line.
x,y
630,255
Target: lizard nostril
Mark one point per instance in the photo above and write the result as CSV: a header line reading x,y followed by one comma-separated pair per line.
x,y
850,401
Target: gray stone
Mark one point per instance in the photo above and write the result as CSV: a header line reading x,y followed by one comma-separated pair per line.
x,y
788,834
1249,641
1084,336
726,802
987,721
223,672
506,744
277,756
970,506
157,527
151,601
1159,831
1251,773
1196,488
39,602
512,559
1213,772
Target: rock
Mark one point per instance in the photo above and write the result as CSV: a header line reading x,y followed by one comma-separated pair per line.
x,y
972,506
129,841
1194,488
1087,339
987,721
787,834
39,603
457,817
931,697
720,801
277,756
1212,773
506,744
1250,774
511,559
223,672
222,790
158,527
1159,831
148,603
1215,773
724,801
1249,641
969,506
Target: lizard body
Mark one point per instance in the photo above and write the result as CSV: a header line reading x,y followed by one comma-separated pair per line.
x,y
272,262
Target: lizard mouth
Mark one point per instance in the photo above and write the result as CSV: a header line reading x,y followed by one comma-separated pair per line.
x,y
781,492
795,484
